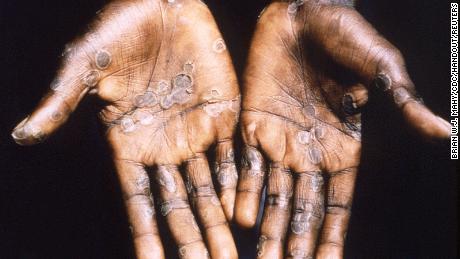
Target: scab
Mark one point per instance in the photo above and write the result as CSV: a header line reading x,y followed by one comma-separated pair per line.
x,y
92,78
103,59
219,45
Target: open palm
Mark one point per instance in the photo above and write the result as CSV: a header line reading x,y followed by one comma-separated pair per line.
x,y
170,90
309,67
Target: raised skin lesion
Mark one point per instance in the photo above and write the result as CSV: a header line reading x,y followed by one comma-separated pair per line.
x,y
299,106
301,90
165,75
154,60
158,93
146,60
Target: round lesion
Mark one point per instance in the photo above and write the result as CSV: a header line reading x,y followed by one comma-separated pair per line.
x,y
91,78
103,59
219,45
162,88
182,81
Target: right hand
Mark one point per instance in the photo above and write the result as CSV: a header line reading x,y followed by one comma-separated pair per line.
x,y
171,92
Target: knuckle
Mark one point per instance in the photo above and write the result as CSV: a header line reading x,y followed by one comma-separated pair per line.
x,y
165,178
311,181
280,201
252,162
307,217
338,209
168,206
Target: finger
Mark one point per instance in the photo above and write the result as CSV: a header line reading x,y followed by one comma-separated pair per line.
x,y
277,212
227,176
361,49
81,70
354,99
85,62
338,210
307,215
209,210
54,109
249,188
179,217
421,119
135,186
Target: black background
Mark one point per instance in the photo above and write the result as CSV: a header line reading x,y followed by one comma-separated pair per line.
x,y
61,200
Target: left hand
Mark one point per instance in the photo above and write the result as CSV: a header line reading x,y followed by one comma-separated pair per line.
x,y
309,68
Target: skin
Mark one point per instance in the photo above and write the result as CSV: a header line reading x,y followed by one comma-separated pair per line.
x,y
306,78
309,69
170,93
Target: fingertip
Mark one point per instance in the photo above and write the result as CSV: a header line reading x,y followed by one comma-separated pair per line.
x,y
326,251
149,246
221,243
194,250
25,134
247,208
50,114
227,199
447,132
425,123
270,249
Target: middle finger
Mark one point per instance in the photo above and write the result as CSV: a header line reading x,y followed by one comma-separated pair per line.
x,y
307,215
179,217
275,221
209,209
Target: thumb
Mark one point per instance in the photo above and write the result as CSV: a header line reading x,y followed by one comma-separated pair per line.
x,y
86,62
424,122
71,84
362,50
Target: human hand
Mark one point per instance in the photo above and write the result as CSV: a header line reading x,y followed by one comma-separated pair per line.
x,y
170,92
310,66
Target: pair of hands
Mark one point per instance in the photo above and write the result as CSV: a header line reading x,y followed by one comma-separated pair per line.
x,y
171,92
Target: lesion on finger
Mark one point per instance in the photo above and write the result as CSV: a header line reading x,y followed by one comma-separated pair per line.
x,y
402,96
299,254
180,218
227,174
165,177
84,66
224,166
205,194
308,206
140,205
311,180
279,201
252,162
193,249
252,171
168,206
142,224
307,216
264,241
169,180
279,187
277,210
